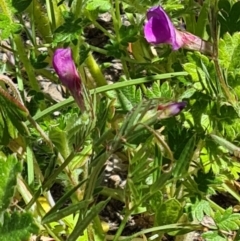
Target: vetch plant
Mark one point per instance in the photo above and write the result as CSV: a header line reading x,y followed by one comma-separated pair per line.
x,y
159,29
171,136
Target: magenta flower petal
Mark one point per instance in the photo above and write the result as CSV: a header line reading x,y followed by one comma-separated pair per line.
x,y
159,29
171,109
66,70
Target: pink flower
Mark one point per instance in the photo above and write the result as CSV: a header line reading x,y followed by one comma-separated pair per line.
x,y
159,29
67,73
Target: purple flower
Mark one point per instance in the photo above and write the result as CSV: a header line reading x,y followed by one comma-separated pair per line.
x,y
159,29
67,73
171,109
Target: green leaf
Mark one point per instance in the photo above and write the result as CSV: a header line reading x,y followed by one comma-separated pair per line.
x,y
124,101
156,89
203,20
226,144
228,221
169,212
213,236
191,69
74,208
166,91
224,5
9,169
83,223
234,15
128,34
20,5
60,140
69,31
17,227
200,209
7,27
229,52
185,158
101,6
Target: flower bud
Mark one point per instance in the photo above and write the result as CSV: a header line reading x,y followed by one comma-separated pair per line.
x,y
171,109
66,70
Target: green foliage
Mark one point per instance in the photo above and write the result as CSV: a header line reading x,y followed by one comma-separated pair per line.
x,y
229,16
69,31
99,6
229,52
17,227
169,212
8,27
228,220
200,209
53,156
10,168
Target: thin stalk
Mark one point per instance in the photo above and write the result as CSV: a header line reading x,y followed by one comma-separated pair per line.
x,y
127,215
77,8
118,15
105,88
97,25
51,15
95,70
27,65
230,97
98,50
41,21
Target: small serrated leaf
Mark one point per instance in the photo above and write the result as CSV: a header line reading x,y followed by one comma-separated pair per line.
x,y
156,89
227,221
102,6
201,208
17,227
9,170
191,69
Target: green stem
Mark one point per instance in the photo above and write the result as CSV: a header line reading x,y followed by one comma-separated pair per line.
x,y
98,50
41,21
122,225
27,65
95,70
77,8
230,97
105,88
51,15
97,25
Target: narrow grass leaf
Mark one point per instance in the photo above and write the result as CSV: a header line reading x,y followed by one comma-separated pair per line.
x,y
185,158
83,223
56,216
